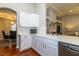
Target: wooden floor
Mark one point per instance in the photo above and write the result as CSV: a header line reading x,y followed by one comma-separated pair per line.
x,y
29,52
6,51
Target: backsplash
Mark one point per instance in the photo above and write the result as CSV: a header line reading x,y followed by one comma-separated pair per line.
x,y
25,30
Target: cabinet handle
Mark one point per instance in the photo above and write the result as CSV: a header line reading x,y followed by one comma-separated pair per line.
x,y
71,49
45,46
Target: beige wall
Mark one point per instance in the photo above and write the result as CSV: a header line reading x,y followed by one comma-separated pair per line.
x,y
5,25
72,22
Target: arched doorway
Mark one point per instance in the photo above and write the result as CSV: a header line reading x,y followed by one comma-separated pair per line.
x,y
7,27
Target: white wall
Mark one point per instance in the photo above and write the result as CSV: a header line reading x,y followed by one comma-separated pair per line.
x,y
41,11
71,21
26,7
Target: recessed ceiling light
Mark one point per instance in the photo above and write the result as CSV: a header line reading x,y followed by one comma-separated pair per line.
x,y
70,11
12,22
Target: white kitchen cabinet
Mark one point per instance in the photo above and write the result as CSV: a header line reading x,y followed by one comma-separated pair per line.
x,y
51,49
25,42
38,45
41,47
34,43
45,47
28,19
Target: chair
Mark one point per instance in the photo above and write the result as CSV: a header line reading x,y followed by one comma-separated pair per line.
x,y
5,41
5,36
13,36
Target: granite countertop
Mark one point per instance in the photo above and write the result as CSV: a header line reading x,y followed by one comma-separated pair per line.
x,y
63,38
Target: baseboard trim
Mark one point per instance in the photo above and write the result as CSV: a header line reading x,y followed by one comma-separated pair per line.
x,y
28,50
25,50
35,51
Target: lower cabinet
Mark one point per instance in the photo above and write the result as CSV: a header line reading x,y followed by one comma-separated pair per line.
x,y
34,43
25,42
43,47
51,50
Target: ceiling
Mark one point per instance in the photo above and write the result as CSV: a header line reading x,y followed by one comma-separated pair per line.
x,y
65,8
6,13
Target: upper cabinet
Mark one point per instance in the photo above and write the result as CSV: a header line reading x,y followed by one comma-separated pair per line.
x,y
29,19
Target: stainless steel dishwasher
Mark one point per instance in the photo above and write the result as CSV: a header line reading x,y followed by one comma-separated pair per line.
x,y
66,49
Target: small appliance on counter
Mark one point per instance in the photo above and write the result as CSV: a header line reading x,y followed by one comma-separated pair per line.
x,y
33,31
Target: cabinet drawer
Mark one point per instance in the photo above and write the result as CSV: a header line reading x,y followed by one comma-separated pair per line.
x,y
51,51
25,36
51,42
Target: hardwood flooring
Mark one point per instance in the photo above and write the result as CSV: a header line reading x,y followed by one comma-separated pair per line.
x,y
6,51
29,52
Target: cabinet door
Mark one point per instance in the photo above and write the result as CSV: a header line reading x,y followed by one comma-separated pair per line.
x,y
51,50
34,20
25,42
24,19
38,45
28,19
34,43
41,47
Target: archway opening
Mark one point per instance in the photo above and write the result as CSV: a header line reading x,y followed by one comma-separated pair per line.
x,y
7,27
